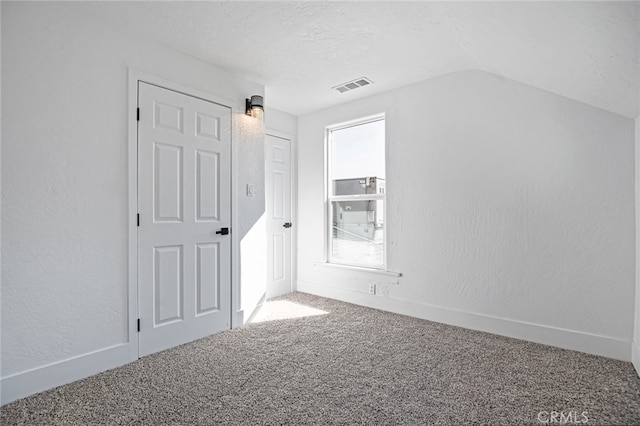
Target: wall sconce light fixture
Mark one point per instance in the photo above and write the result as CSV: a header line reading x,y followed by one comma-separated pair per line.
x,y
254,106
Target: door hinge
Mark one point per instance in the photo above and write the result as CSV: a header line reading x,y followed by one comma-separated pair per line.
x,y
138,114
138,325
138,219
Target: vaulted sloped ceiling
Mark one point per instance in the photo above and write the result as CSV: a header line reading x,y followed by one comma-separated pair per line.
x,y
587,51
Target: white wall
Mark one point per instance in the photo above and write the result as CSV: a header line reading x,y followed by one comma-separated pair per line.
x,y
635,351
280,121
64,187
250,239
0,187
510,210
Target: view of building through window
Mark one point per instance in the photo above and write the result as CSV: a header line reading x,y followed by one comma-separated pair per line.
x,y
356,170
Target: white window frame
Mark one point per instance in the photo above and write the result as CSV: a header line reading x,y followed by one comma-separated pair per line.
x,y
330,198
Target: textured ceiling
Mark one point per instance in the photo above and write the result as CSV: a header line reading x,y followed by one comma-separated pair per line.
x,y
587,51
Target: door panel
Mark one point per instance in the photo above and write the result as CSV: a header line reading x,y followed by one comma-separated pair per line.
x,y
169,117
207,179
167,285
278,190
278,207
279,251
167,183
184,197
208,126
208,277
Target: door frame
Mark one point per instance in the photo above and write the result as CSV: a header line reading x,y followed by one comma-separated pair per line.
x,y
293,176
134,76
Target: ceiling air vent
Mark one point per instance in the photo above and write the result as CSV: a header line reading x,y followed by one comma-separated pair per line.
x,y
353,84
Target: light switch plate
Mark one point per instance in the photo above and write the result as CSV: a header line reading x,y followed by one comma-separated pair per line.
x,y
251,190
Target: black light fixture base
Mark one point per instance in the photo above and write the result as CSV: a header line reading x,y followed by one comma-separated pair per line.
x,y
256,102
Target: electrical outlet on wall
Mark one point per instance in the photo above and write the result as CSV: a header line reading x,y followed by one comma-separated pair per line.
x,y
372,288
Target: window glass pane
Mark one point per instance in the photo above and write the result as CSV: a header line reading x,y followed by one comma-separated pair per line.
x,y
358,186
357,159
358,232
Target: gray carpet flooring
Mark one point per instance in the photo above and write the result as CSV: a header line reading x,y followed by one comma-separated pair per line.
x,y
352,365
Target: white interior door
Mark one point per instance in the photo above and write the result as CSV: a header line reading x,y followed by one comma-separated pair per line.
x,y
184,179
278,207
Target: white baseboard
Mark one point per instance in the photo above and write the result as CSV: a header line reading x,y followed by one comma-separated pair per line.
x,y
567,339
635,356
39,379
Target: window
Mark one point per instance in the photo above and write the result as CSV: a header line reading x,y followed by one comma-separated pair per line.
x,y
356,193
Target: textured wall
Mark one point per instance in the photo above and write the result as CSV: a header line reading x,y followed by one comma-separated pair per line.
x,y
251,250
503,200
0,194
636,334
280,121
64,176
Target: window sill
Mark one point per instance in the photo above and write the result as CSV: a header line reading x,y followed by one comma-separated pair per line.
x,y
391,274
